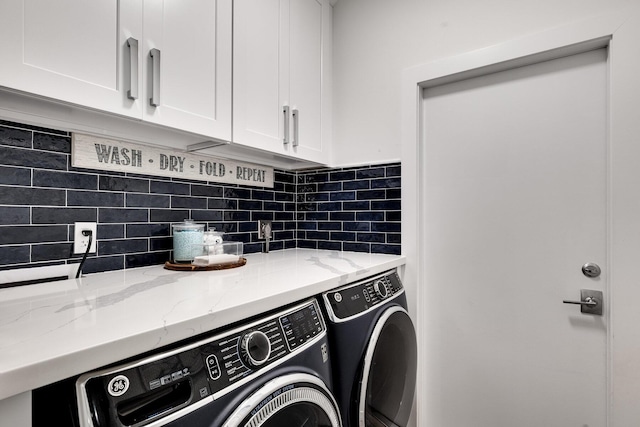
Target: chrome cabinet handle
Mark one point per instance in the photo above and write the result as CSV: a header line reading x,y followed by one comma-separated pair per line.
x,y
295,114
154,100
132,44
285,111
590,302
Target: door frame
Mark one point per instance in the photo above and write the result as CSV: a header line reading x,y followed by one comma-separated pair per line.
x,y
619,32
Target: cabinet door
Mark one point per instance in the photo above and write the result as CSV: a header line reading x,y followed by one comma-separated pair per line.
x,y
71,50
189,85
282,59
306,75
260,73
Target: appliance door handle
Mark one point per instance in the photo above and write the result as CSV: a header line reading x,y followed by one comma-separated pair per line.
x,y
132,44
285,111
154,100
295,114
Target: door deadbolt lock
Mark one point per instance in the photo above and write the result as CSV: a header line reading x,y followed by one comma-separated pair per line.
x,y
591,269
590,302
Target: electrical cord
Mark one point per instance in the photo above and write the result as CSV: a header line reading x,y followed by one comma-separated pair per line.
x,y
84,257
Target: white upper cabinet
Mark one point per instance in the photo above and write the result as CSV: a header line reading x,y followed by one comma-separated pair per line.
x,y
282,77
170,63
187,65
166,62
70,50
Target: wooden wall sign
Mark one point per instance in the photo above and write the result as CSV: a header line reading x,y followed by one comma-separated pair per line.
x,y
109,155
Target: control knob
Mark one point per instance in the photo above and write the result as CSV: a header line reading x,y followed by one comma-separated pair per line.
x,y
255,348
380,288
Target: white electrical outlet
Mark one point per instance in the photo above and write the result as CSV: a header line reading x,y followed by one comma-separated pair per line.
x,y
81,241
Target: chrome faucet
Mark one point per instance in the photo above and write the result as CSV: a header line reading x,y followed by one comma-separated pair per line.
x,y
264,232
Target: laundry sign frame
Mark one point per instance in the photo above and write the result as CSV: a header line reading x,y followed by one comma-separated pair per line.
x,y
92,152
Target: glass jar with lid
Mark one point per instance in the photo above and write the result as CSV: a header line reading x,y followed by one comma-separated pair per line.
x,y
185,235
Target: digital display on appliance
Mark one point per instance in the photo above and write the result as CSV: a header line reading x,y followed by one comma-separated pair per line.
x,y
351,301
301,325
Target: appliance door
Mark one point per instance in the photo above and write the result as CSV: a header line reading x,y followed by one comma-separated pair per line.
x,y
389,373
294,400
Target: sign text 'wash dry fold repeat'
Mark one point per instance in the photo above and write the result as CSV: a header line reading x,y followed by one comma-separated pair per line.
x,y
110,155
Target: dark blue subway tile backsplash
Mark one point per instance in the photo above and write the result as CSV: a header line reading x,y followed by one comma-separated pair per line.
x,y
15,176
15,254
41,215
49,142
31,196
117,183
42,196
341,209
14,215
15,137
25,157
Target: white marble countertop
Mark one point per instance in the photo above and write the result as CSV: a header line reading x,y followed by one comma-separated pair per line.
x,y
55,330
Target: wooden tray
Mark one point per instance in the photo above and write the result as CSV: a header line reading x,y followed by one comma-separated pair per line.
x,y
190,267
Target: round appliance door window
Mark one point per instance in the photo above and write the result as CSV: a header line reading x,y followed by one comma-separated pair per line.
x,y
299,415
296,400
389,374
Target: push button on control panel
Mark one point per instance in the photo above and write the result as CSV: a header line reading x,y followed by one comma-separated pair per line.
x,y
213,366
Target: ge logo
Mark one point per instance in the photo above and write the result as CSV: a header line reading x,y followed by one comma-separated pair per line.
x,y
118,385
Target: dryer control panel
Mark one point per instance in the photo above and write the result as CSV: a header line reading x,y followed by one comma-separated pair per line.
x,y
139,392
358,298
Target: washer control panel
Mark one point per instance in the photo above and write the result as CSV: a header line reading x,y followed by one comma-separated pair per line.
x,y
236,356
140,391
360,297
241,353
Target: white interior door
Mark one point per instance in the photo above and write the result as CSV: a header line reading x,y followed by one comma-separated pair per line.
x,y
516,202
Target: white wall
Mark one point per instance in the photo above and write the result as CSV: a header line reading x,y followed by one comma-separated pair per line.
x,y
374,40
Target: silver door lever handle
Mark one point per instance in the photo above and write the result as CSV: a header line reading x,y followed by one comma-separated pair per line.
x,y
588,301
591,302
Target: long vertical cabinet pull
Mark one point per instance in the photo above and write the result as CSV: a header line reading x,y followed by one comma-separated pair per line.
x,y
285,111
132,44
154,100
295,114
